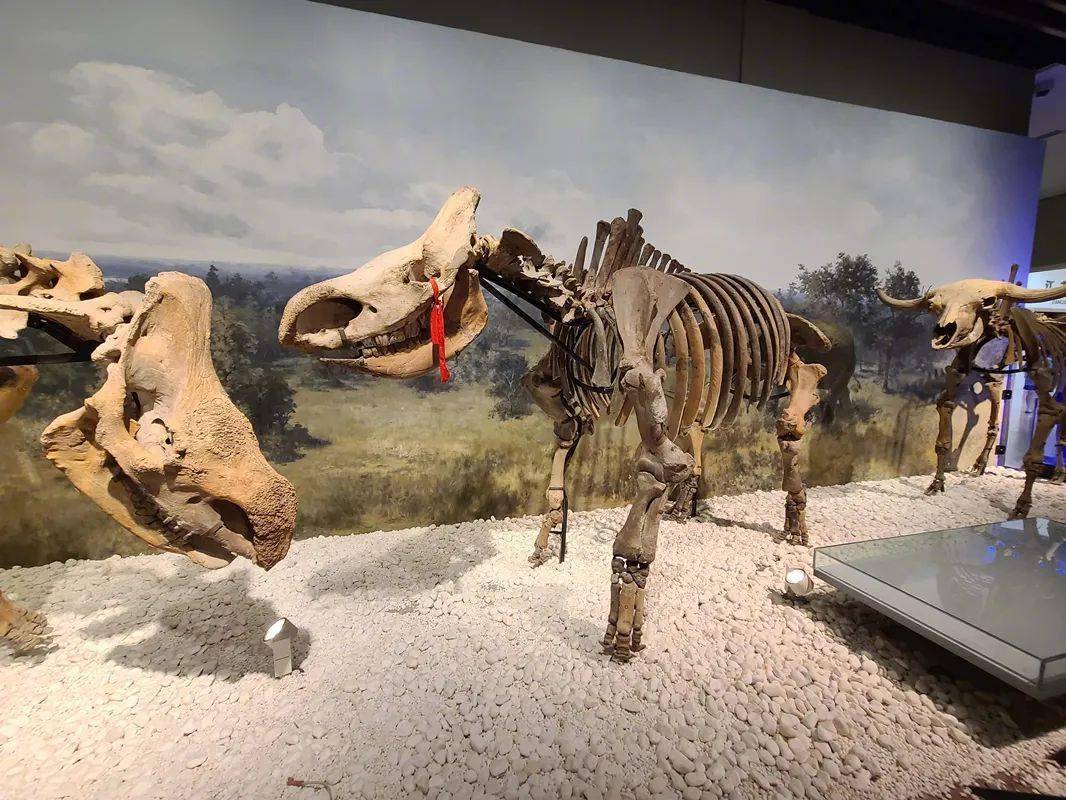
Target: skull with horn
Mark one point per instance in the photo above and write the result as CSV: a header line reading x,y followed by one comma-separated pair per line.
x,y
966,310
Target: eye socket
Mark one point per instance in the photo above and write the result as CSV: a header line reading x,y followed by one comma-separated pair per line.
x,y
415,273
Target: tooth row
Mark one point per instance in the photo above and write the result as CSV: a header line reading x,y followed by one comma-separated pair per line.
x,y
394,340
152,515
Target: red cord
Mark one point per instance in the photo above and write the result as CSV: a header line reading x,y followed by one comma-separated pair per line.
x,y
436,331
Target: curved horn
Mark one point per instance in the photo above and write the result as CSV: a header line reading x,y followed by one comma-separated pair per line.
x,y
905,305
1022,295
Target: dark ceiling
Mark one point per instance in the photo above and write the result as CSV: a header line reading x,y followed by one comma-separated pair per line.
x,y
1025,33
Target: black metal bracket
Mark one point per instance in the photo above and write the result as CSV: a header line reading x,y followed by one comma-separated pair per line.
x,y
80,350
562,529
1005,370
561,533
777,396
490,277
495,288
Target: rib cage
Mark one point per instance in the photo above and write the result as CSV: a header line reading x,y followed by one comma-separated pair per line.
x,y
1036,339
729,341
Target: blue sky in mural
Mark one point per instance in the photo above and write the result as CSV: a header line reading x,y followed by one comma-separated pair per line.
x,y
297,134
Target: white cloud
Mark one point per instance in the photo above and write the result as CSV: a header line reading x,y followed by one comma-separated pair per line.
x,y
62,142
240,156
182,173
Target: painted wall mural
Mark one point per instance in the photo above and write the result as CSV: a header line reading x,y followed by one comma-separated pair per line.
x,y
267,145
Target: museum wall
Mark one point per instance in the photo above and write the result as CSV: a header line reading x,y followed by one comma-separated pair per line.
x,y
760,42
1049,246
264,146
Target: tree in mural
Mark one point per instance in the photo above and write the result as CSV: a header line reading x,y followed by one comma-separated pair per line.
x,y
844,291
497,360
246,354
902,335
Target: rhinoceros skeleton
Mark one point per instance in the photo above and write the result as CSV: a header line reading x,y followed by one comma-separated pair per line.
x,y
618,317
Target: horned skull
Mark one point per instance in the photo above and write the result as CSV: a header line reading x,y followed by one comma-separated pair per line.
x,y
376,319
966,310
160,447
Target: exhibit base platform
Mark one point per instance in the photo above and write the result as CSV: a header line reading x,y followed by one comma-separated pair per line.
x,y
433,662
993,594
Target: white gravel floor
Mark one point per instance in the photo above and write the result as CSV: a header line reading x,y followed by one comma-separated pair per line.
x,y
437,663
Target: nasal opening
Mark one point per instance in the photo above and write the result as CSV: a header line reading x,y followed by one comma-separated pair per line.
x,y
329,314
942,334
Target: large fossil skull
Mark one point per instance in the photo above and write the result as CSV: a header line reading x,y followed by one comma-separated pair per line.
x,y
162,449
44,281
376,319
965,308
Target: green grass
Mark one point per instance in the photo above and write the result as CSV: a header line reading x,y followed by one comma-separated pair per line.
x,y
397,459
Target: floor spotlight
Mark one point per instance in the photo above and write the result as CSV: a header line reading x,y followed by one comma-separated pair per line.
x,y
279,636
798,583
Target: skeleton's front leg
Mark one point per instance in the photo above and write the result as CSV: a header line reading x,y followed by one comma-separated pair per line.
x,y
661,465
995,394
566,437
685,497
945,407
545,385
802,379
1047,414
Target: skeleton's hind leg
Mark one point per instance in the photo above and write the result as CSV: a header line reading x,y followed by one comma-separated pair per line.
x,y
1059,475
546,391
802,381
686,495
1048,413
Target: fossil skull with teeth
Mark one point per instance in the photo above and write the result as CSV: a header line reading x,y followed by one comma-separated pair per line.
x,y
376,319
160,447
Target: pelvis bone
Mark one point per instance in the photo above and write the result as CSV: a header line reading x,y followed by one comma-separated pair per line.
x,y
162,449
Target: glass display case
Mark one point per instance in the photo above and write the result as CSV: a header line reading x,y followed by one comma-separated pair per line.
x,y
993,594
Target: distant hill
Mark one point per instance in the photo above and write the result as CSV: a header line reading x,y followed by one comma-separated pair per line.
x,y
119,268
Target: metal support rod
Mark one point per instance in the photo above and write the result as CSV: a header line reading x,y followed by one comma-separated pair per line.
x,y
499,295
45,358
564,526
80,350
491,277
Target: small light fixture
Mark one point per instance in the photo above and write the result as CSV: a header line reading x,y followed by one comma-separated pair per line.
x,y
279,636
798,583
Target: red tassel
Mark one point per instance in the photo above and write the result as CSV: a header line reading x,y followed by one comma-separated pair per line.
x,y
436,331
